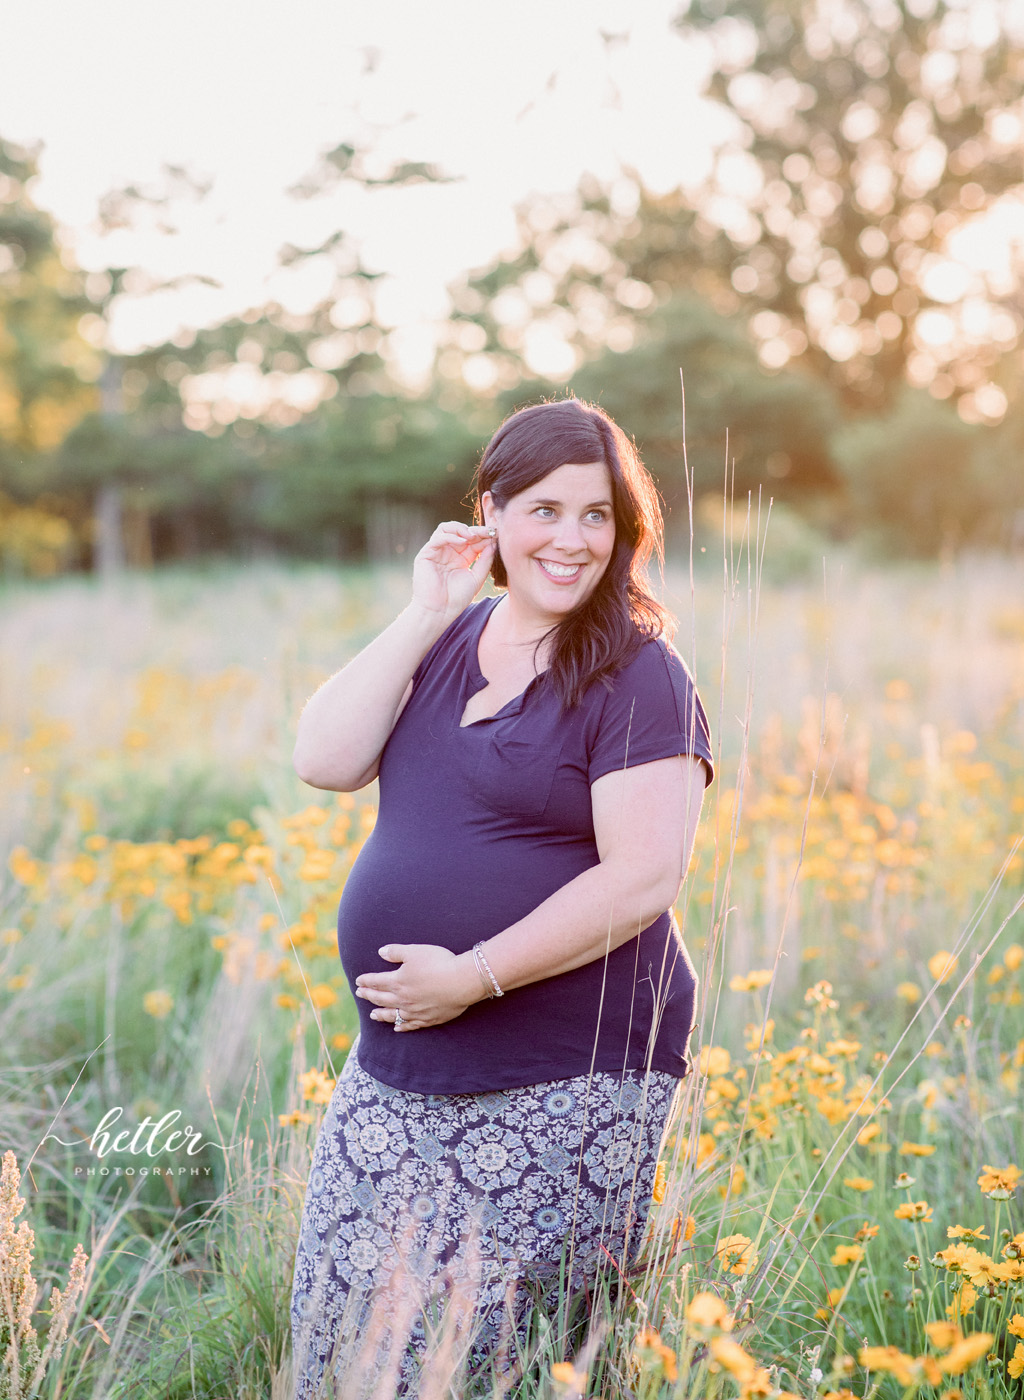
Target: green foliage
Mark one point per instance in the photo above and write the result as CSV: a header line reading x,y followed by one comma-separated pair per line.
x,y
914,477
329,476
44,362
870,151
743,427
856,146
162,802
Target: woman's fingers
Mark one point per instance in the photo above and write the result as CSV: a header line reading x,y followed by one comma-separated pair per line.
x,y
463,538
391,1017
380,996
456,527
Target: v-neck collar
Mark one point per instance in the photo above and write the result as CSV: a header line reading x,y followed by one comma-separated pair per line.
x,y
477,680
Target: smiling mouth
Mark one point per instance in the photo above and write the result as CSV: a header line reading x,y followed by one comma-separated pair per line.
x,y
565,573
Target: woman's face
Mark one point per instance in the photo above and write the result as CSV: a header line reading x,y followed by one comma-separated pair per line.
x,y
556,538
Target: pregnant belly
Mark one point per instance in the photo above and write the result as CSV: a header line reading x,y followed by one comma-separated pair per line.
x,y
430,891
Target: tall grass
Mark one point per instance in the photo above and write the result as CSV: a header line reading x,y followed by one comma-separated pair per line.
x,y
166,944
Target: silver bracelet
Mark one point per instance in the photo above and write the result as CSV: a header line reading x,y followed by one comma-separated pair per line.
x,y
486,975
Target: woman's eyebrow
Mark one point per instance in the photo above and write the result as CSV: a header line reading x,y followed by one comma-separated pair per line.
x,y
551,501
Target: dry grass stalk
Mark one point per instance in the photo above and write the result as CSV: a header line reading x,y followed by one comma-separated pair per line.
x,y
22,1362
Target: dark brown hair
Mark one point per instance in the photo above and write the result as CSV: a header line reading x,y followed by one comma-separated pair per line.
x,y
608,628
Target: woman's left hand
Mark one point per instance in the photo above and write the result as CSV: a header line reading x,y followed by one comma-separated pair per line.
x,y
431,985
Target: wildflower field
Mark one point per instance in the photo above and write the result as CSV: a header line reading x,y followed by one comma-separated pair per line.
x,y
840,1204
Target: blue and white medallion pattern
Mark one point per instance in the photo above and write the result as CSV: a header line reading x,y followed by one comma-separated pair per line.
x,y
416,1200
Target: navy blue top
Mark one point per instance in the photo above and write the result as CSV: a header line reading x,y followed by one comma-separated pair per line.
x,y
477,826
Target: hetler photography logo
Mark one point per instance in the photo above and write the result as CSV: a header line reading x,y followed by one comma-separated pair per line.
x,y
149,1140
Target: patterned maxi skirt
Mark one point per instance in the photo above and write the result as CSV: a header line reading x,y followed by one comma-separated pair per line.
x,y
436,1225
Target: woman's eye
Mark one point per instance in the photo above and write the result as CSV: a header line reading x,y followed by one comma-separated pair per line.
x,y
598,517
545,512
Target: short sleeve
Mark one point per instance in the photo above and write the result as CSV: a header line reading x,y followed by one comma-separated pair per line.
x,y
652,712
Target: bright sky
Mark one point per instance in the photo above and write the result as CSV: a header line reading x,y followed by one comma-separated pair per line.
x,y
511,99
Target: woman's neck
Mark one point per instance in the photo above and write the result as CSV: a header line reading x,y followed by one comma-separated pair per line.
x,y
521,629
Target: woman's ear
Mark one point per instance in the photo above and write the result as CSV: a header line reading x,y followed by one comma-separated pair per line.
x,y
488,509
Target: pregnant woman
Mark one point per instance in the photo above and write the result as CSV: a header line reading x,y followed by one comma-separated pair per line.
x,y
525,997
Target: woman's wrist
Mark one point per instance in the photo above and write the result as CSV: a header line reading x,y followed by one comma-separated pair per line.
x,y
426,622
470,985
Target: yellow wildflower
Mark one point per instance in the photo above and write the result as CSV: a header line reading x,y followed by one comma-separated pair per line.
x,y
735,1184
914,1210
24,869
316,1086
1015,1365
660,1181
956,1257
890,1359
290,1120
736,1254
909,992
649,1340
705,1149
341,1041
847,1254
682,1229
158,1004
708,1310
752,981
942,965
317,865
866,1232
1015,1327
999,1183
965,1352
713,1060
1013,957
963,1302
981,1270
732,1356
942,1334
821,995
565,1373
916,1149
859,1183
322,996
962,1232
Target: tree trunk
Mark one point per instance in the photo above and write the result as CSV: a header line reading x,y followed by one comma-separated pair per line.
x,y
108,535
395,530
137,530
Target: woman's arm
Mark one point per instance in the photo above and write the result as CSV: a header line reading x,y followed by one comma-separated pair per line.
x,y
346,724
645,821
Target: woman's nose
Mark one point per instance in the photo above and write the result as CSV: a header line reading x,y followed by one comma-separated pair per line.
x,y
569,535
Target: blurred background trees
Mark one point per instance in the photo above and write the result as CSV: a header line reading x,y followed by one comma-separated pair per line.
x,y
834,314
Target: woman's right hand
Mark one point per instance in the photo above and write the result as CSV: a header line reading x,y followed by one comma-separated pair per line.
x,y
450,569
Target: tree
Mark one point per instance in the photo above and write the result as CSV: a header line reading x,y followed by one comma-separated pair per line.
x,y
916,477
743,427
369,473
47,369
867,142
872,135
149,464
270,364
